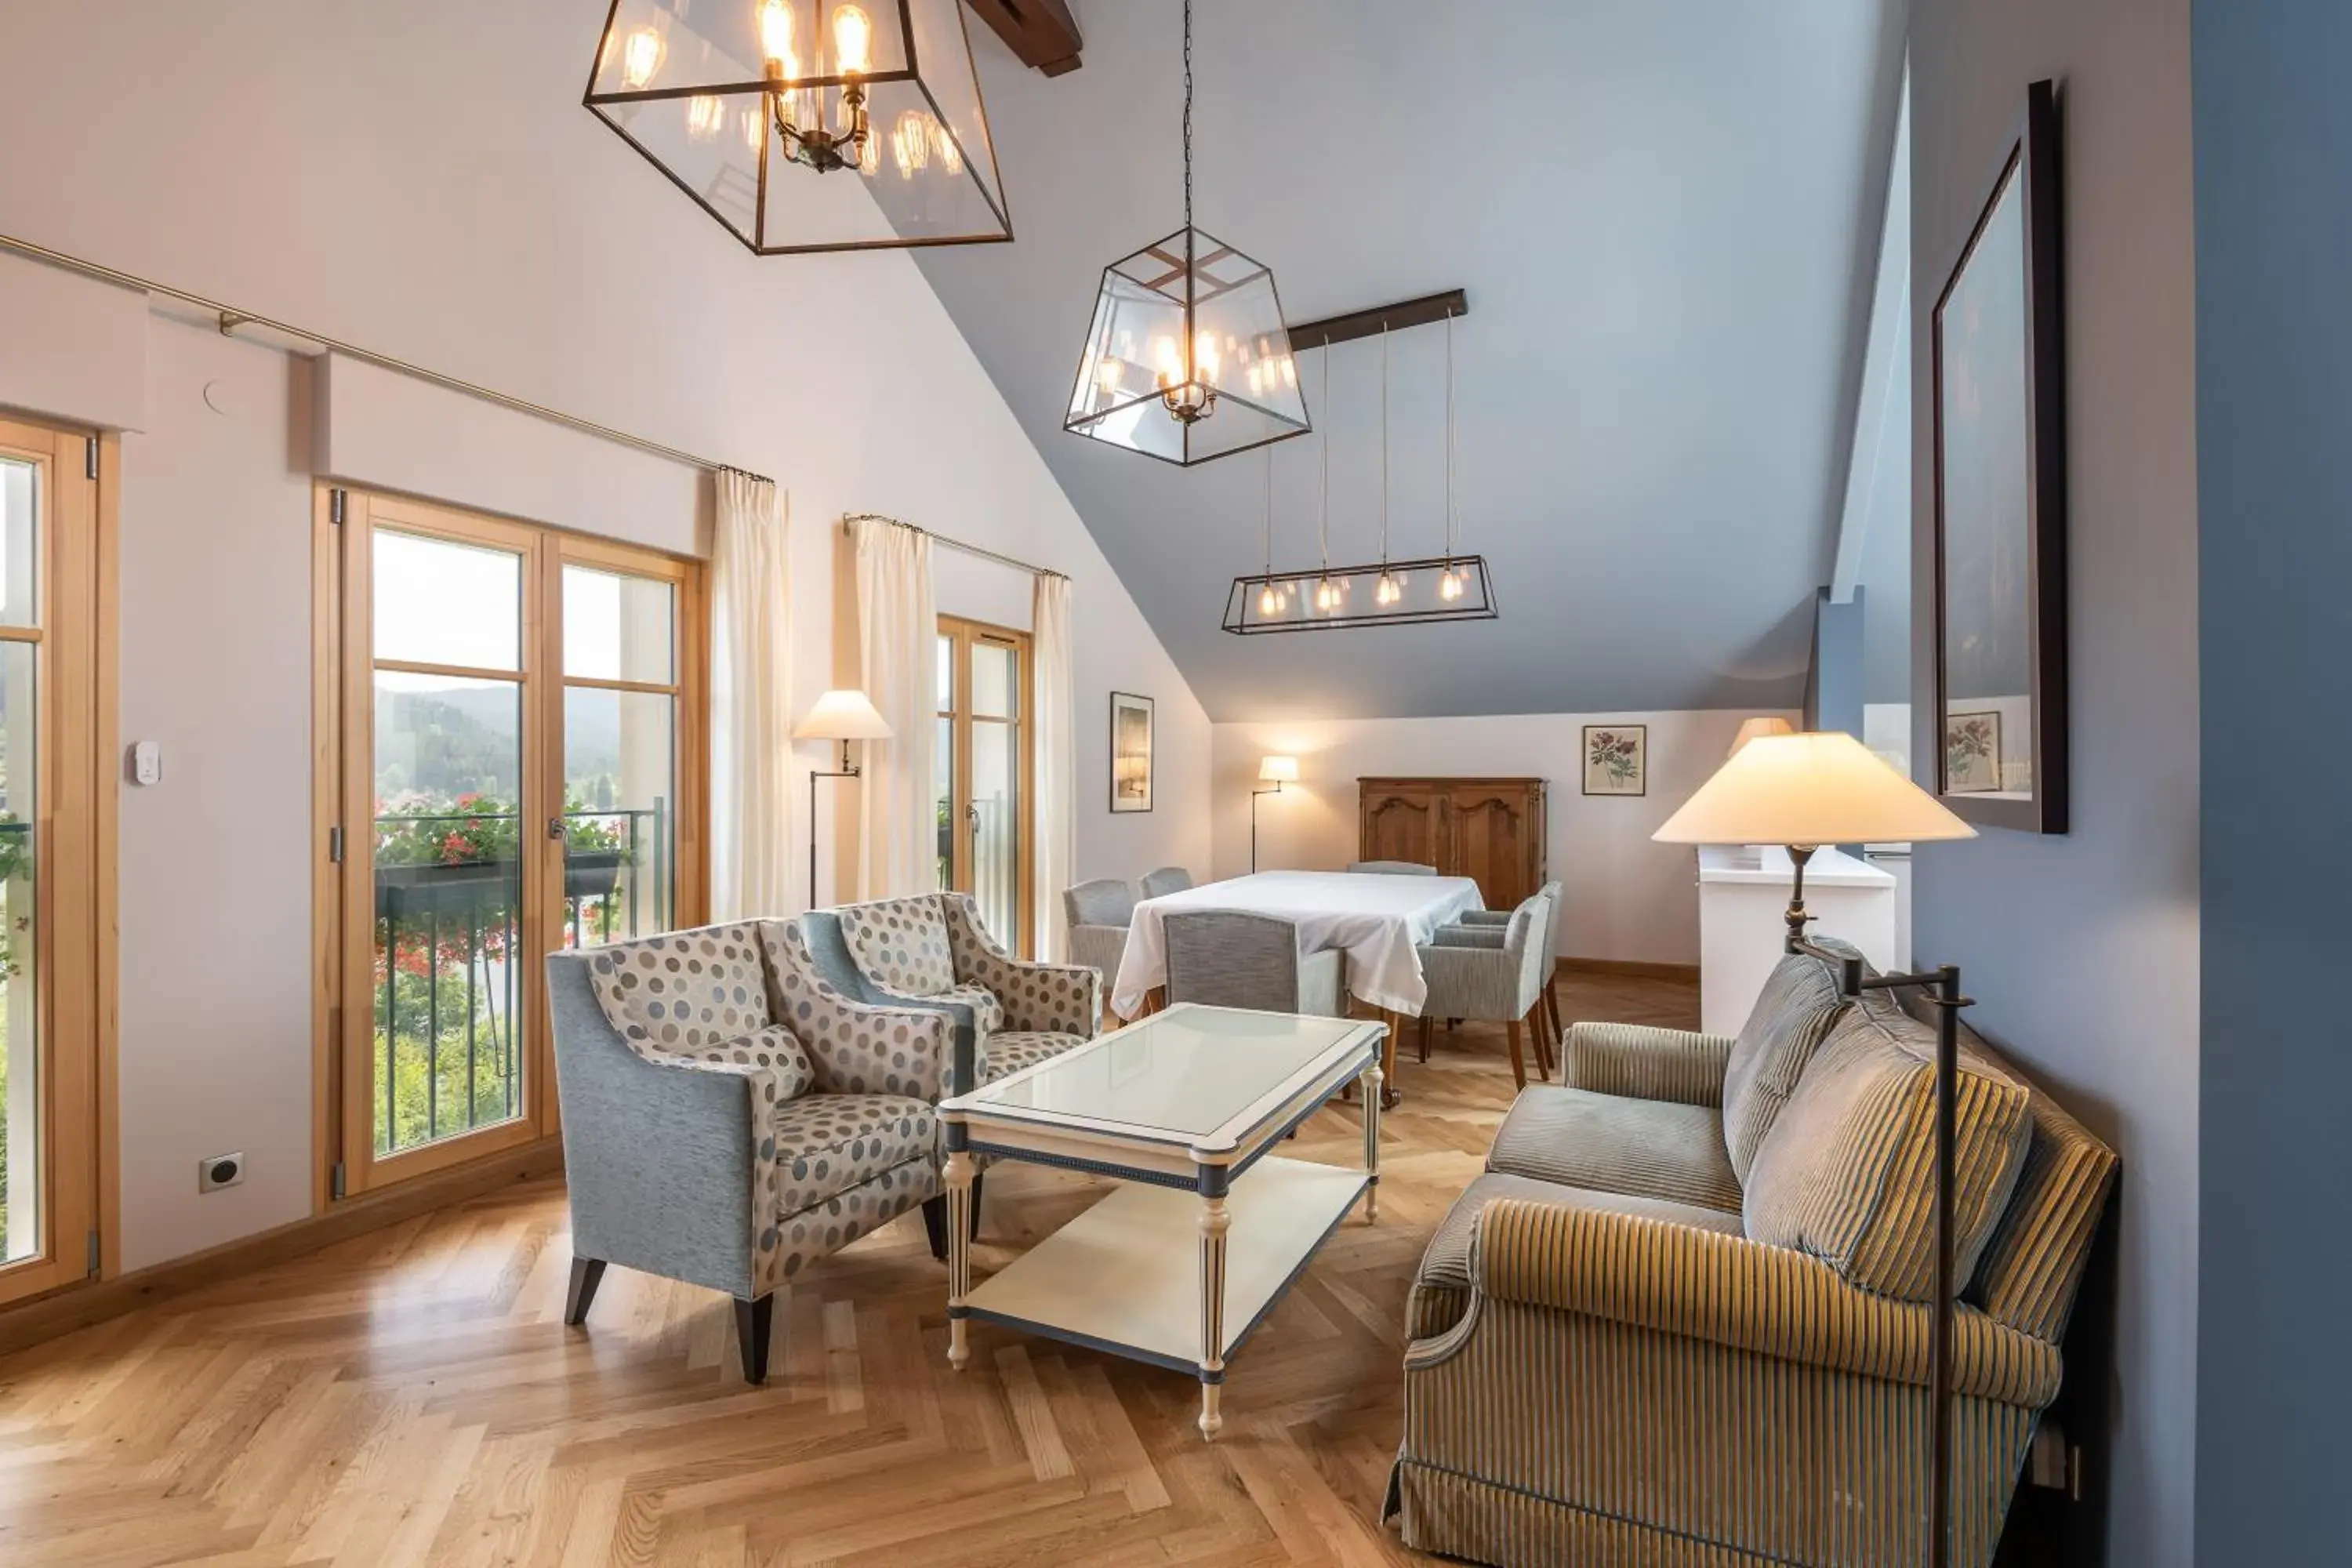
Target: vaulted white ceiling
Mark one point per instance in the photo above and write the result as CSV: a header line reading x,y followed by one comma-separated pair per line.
x,y
1665,213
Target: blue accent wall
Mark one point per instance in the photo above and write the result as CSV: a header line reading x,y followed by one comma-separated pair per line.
x,y
2081,949
2274,164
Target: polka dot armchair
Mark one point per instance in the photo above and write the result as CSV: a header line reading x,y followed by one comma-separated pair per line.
x,y
728,1131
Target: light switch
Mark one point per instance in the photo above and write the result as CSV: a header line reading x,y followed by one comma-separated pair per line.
x,y
146,763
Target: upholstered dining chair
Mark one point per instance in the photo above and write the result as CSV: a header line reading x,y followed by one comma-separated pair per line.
x,y
1394,868
1492,923
1226,958
1471,976
1099,913
1166,881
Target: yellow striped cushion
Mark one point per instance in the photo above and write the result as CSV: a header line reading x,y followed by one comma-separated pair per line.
x,y
1798,1007
1847,1173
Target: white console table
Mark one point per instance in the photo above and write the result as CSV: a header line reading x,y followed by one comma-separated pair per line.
x,y
1743,892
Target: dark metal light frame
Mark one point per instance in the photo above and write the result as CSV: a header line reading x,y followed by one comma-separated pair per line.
x,y
1245,618
761,89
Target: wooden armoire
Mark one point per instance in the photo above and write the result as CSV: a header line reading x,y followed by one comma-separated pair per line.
x,y
1492,830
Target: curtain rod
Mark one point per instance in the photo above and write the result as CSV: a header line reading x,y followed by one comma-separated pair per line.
x,y
231,317
981,551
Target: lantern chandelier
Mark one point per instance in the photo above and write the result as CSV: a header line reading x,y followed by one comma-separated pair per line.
x,y
808,125
1453,587
1187,358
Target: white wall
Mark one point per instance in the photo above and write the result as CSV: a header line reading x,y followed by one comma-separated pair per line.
x,y
1627,898
449,204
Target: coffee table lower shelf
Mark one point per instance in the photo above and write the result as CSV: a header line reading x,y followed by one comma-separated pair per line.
x,y
1125,1277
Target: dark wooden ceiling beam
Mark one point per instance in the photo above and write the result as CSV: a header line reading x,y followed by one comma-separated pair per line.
x,y
1371,323
1040,33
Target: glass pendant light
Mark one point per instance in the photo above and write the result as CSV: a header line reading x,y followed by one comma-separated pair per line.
x,y
856,124
1187,357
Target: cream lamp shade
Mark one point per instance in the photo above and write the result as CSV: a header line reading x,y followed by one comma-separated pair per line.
x,y
1809,790
843,716
1755,729
1278,770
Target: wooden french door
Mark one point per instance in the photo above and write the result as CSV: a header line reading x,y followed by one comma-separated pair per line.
x,y
982,759
55,823
517,769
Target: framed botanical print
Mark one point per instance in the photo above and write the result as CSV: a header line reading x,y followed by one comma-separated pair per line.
x,y
1998,388
1616,759
1131,752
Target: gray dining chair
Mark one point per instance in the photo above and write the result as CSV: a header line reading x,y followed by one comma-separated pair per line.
x,y
1394,867
1494,921
1099,912
1472,976
1226,958
1166,881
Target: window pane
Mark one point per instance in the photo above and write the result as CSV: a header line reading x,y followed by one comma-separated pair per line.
x,y
943,771
618,627
439,602
20,577
996,680
619,803
947,675
449,977
20,1117
996,829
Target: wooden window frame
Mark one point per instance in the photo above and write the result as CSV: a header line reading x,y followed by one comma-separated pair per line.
x,y
74,850
964,634
343,798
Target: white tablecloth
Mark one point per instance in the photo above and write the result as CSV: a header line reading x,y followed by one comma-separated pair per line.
x,y
1378,920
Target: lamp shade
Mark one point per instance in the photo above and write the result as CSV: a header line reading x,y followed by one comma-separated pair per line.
x,y
1278,770
843,716
1769,724
1809,790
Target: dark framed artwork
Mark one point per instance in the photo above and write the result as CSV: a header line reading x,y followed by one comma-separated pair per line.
x,y
1999,413
1131,752
1616,759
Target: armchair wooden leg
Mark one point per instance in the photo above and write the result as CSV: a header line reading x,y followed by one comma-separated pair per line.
x,y
935,1225
1424,1032
1518,1057
587,1273
754,1320
1543,1040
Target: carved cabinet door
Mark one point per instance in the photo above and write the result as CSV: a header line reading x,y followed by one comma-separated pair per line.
x,y
1400,824
1489,841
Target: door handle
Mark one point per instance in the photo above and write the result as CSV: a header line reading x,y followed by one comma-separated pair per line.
x,y
555,828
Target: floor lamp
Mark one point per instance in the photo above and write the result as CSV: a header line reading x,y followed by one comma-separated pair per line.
x,y
843,716
1278,772
1805,791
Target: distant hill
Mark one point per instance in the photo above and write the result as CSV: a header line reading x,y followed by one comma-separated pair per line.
x,y
464,739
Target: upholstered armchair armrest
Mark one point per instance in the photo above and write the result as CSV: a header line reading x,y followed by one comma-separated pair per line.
x,y
661,1158
1456,965
1635,1061
1488,936
1740,1294
1497,918
1052,998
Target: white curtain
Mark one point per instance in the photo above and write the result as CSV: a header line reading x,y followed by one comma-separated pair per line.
x,y
1050,640
751,837
898,638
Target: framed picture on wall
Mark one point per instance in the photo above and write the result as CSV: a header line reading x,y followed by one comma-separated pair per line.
x,y
1616,759
1999,389
1131,752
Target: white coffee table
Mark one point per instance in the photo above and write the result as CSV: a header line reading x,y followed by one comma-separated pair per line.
x,y
1178,1265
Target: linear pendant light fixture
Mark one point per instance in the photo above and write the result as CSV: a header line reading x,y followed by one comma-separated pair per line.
x,y
808,125
1187,358
1453,587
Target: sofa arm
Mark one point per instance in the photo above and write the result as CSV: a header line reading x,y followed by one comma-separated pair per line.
x,y
1050,998
1635,1061
660,1158
1741,1294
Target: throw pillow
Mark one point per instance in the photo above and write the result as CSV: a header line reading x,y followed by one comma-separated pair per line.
x,y
1798,1007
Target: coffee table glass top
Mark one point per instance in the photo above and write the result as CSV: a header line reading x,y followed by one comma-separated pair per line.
x,y
1188,1071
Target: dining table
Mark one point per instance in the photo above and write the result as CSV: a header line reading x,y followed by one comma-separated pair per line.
x,y
1380,920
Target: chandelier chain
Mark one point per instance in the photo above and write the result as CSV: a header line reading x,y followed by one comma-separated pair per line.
x,y
1269,508
1384,443
1188,127
1449,513
1323,491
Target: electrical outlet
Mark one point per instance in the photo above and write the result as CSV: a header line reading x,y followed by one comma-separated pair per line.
x,y
219,1171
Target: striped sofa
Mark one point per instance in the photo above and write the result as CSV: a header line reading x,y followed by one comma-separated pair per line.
x,y
1682,1319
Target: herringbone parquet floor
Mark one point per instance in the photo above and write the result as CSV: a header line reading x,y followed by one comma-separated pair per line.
x,y
412,1397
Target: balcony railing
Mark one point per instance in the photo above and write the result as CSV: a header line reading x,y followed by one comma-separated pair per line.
x,y
448,1055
